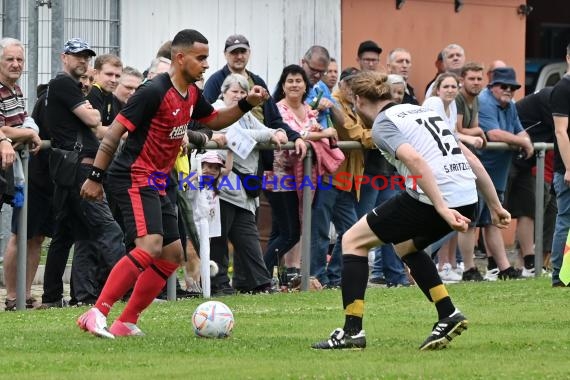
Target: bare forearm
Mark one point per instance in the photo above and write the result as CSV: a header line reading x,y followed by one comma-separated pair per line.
x,y
109,145
561,133
226,116
471,131
337,117
18,134
497,135
197,138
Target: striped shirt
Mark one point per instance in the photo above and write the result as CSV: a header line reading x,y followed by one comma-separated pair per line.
x,y
12,107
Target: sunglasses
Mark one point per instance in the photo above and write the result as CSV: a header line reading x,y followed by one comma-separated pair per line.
x,y
509,87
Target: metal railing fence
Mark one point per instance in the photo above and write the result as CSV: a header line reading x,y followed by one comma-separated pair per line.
x,y
540,149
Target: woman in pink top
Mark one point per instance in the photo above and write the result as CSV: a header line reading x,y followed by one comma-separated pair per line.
x,y
281,185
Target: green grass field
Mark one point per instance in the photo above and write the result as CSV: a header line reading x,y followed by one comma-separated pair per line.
x,y
518,330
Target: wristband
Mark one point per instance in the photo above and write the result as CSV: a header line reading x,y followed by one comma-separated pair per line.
x,y
96,174
244,105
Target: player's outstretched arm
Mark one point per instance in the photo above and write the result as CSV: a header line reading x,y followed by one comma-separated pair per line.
x,y
227,116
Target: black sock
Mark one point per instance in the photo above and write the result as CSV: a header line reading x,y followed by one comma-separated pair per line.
x,y
424,271
528,261
491,264
354,281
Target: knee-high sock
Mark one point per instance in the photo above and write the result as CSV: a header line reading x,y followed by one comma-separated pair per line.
x,y
147,287
424,271
354,280
122,278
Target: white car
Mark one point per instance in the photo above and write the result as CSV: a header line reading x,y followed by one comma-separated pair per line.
x,y
540,74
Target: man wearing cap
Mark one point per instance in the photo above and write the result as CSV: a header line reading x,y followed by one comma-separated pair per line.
x,y
499,120
237,51
368,56
73,121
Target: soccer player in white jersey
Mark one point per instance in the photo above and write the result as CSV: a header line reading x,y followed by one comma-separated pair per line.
x,y
442,178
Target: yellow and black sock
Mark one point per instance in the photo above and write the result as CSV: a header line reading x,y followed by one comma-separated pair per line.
x,y
424,271
354,281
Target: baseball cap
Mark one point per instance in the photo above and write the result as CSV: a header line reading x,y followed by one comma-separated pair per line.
x,y
212,158
348,73
236,41
77,45
369,46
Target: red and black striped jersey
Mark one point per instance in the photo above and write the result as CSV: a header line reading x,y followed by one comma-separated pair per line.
x,y
157,118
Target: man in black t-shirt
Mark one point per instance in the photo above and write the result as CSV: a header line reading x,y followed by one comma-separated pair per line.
x,y
560,106
72,121
108,69
107,72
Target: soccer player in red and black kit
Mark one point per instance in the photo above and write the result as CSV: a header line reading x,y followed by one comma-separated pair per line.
x,y
156,117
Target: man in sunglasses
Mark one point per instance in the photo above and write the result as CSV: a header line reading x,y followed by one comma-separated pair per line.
x,y
499,120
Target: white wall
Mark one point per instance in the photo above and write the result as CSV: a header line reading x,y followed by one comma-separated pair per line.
x,y
279,31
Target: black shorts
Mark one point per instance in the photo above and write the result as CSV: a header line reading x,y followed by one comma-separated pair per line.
x,y
146,212
41,217
402,218
520,194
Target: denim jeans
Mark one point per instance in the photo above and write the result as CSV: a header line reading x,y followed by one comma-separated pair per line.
x,y
562,224
336,206
387,264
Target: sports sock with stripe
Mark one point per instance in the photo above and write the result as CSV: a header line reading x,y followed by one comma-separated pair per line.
x,y
424,272
354,281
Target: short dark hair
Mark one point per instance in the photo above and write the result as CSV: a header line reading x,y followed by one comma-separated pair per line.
x,y
278,94
186,38
318,51
471,66
110,59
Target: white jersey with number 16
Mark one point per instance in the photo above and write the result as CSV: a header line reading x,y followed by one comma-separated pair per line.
x,y
429,135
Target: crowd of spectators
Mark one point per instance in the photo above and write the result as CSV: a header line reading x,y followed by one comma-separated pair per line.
x,y
312,105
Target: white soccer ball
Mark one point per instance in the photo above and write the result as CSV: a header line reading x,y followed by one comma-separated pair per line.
x,y
213,319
